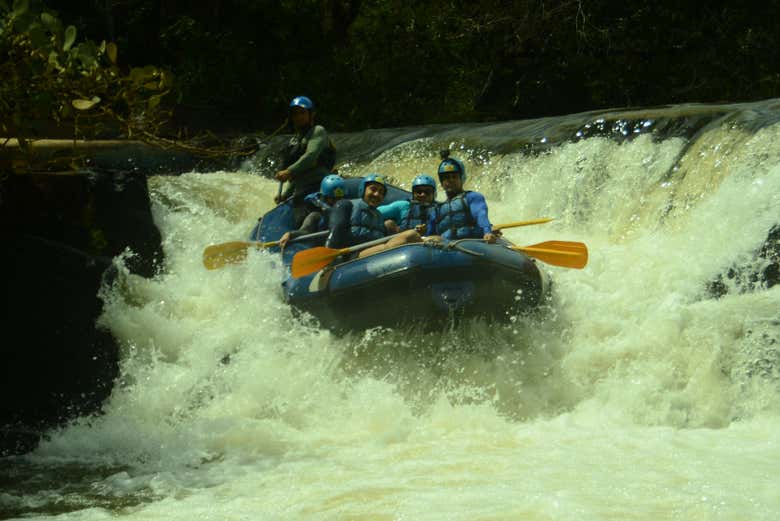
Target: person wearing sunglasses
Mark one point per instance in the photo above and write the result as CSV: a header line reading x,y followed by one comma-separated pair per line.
x,y
413,214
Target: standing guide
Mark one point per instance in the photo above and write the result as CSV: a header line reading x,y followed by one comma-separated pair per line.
x,y
310,156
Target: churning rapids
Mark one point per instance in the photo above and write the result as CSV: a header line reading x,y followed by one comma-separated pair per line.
x,y
648,388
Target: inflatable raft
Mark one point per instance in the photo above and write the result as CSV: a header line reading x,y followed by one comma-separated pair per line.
x,y
426,283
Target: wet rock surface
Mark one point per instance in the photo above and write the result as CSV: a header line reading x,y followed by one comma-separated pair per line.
x,y
60,233
763,271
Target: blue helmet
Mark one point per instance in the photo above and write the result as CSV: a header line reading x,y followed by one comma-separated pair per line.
x,y
303,102
371,178
424,180
332,186
452,165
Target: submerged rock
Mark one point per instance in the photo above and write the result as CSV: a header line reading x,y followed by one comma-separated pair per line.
x,y
763,272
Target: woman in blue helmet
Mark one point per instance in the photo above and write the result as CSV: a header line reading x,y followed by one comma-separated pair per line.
x,y
464,215
413,214
310,155
318,205
355,221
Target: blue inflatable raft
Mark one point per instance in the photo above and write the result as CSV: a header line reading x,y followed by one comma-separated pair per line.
x,y
411,284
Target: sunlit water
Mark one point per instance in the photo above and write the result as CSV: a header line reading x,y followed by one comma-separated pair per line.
x,y
634,395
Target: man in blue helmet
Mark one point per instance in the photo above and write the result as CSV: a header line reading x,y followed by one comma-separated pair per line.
x,y
309,157
413,214
319,204
355,221
464,215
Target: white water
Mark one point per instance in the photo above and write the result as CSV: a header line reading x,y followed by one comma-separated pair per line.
x,y
636,396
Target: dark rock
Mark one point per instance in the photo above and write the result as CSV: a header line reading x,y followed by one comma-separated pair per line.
x,y
748,278
122,213
57,363
60,233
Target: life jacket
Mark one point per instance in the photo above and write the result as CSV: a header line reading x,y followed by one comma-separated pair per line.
x,y
316,201
454,219
297,146
418,214
366,223
317,204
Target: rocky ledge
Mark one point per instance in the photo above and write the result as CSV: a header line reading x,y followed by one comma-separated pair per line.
x,y
60,232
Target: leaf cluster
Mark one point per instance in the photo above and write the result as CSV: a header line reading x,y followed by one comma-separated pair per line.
x,y
378,63
49,75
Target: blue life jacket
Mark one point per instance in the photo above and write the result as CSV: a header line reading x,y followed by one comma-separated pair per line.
x,y
316,201
454,220
418,214
317,204
366,223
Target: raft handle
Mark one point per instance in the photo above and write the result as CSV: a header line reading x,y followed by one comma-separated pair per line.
x,y
456,245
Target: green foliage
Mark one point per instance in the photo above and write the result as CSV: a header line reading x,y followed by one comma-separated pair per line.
x,y
51,76
430,59
372,63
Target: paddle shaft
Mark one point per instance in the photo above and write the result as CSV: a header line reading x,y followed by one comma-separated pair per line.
x,y
218,255
315,235
522,223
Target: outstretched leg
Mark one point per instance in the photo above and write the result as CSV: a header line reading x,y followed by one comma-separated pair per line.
x,y
407,237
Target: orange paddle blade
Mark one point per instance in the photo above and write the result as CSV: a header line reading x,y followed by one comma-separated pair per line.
x,y
565,254
314,259
218,255
562,245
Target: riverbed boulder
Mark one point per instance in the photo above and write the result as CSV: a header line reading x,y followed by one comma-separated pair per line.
x,y
61,231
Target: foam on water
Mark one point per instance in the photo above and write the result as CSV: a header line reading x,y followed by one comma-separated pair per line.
x,y
634,395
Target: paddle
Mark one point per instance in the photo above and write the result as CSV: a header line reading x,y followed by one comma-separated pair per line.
x,y
314,259
218,255
558,253
522,223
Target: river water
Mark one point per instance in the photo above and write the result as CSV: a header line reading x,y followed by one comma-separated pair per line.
x,y
636,394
